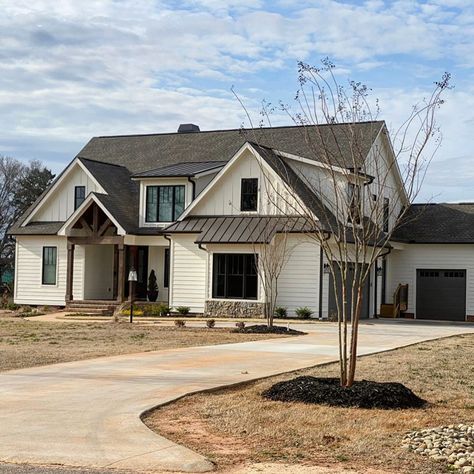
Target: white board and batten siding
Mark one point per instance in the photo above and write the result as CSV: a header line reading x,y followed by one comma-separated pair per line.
x,y
188,273
28,272
59,205
402,266
224,198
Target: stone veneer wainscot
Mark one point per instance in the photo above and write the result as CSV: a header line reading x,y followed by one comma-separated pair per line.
x,y
234,309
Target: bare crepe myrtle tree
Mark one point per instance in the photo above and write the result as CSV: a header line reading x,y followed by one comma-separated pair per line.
x,y
353,198
271,258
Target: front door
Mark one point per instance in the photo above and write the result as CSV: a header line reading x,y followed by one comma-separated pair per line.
x,y
138,258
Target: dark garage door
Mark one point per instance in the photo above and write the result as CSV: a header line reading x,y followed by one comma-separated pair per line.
x,y
350,276
441,294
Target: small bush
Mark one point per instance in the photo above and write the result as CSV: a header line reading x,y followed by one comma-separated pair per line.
x,y
304,312
210,323
280,312
179,323
183,310
12,306
163,310
240,325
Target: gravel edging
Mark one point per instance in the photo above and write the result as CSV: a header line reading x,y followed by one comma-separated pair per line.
x,y
453,444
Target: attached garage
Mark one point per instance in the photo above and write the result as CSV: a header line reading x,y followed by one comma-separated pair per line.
x,y
441,294
351,274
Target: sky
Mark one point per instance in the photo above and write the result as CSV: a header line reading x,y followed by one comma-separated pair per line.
x,y
72,70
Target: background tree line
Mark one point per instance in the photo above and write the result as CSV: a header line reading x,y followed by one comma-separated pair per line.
x,y
20,185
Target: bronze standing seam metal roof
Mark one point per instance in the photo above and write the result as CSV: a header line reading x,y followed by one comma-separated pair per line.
x,y
238,229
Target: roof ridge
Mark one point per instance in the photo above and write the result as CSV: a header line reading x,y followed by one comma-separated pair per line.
x,y
223,130
102,162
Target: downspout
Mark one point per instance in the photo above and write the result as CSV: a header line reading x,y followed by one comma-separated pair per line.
x,y
169,271
321,276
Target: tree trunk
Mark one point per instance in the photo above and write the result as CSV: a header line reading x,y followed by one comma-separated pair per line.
x,y
354,339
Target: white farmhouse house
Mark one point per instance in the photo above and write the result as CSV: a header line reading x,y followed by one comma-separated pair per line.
x,y
194,207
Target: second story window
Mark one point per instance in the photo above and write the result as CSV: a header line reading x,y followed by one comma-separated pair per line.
x,y
164,203
79,196
249,194
354,203
386,214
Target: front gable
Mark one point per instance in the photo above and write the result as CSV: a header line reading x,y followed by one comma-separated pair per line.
x,y
222,197
57,205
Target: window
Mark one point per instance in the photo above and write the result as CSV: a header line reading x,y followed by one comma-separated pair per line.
x,y
49,266
249,194
354,203
164,203
166,269
79,196
234,276
386,214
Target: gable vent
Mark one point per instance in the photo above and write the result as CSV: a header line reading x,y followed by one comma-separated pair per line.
x,y
188,128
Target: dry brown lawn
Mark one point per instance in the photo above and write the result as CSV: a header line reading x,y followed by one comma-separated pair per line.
x,y
237,426
26,343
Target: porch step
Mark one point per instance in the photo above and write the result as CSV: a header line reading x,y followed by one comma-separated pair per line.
x,y
98,307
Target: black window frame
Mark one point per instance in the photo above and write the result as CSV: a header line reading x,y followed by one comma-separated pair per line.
x,y
79,199
166,268
174,215
355,203
249,260
386,214
249,197
48,253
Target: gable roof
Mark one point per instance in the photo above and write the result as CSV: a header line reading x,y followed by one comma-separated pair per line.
x,y
140,153
437,224
181,169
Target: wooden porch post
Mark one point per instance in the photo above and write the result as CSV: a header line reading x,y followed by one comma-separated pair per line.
x,y
70,271
120,272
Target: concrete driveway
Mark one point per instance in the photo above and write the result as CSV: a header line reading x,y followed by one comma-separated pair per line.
x,y
87,413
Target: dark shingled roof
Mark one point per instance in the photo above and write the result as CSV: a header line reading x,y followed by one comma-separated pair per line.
x,y
238,229
437,224
122,193
37,228
141,153
182,169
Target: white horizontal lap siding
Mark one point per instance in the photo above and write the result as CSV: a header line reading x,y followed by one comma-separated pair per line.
x,y
29,289
78,273
298,284
188,274
402,266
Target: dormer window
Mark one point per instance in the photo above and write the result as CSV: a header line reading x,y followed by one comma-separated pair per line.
x,y
164,203
79,196
354,193
249,195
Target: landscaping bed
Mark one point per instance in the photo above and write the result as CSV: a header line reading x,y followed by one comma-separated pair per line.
x,y
25,343
264,329
238,426
328,391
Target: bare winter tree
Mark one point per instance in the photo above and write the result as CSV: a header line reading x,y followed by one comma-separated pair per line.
x,y
362,188
272,255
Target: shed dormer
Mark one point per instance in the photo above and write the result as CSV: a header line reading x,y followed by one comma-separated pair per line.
x,y
165,192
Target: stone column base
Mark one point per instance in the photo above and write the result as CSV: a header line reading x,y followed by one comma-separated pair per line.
x,y
234,309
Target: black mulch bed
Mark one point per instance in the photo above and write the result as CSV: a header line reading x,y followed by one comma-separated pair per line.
x,y
263,329
327,391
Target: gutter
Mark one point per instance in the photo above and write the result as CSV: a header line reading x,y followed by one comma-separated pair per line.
x,y
190,180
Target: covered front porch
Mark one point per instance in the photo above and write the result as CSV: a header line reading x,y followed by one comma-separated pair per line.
x,y
99,260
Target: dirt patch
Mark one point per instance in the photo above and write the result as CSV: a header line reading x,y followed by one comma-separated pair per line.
x,y
264,329
328,391
25,343
319,435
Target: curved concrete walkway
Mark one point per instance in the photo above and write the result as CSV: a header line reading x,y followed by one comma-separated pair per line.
x,y
87,413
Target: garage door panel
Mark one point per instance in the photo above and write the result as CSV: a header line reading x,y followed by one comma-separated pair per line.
x,y
441,294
